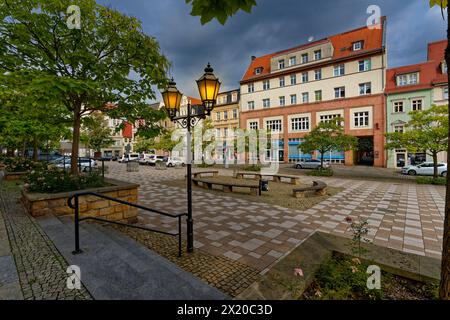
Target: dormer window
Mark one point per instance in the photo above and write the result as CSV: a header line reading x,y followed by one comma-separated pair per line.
x,y
281,64
317,54
357,46
258,70
407,79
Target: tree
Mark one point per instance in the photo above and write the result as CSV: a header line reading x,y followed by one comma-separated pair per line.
x,y
221,10
95,133
144,144
328,136
427,131
444,288
107,65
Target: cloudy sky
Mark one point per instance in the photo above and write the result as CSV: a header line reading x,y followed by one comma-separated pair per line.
x,y
272,26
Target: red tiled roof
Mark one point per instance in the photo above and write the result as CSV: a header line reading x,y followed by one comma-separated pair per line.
x,y
127,131
342,43
430,71
194,101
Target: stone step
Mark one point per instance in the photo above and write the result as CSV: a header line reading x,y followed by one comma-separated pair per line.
x,y
114,266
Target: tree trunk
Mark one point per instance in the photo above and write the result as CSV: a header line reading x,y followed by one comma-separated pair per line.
x,y
35,149
75,140
24,148
321,159
435,166
444,290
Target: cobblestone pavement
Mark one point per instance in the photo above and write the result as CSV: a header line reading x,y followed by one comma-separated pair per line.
x,y
402,216
41,268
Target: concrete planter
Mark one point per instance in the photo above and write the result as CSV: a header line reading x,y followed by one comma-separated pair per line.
x,y
39,204
14,175
132,166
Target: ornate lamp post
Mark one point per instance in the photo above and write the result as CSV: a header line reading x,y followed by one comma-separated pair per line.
x,y
208,87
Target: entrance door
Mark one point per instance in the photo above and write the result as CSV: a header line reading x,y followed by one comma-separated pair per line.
x,y
400,159
281,155
365,154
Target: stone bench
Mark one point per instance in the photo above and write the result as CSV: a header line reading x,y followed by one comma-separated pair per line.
x,y
295,180
227,186
201,174
319,188
242,174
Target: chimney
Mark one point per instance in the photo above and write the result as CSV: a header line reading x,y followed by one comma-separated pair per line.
x,y
253,58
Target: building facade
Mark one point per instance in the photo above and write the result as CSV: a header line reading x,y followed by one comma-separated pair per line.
x,y
225,116
414,88
291,91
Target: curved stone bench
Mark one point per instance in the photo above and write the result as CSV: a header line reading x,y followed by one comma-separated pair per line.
x,y
318,187
227,186
295,180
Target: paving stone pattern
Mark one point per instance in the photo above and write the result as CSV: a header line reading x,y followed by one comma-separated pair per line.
x,y
40,267
402,216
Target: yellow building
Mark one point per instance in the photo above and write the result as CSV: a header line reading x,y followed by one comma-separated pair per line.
x,y
225,116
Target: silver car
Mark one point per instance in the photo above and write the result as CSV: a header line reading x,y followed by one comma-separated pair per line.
x,y
425,169
311,164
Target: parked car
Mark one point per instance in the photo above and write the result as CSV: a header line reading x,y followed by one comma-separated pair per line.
x,y
129,157
145,158
311,164
49,156
152,161
172,162
83,163
425,169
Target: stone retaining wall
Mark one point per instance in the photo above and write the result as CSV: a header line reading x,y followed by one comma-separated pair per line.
x,y
39,204
14,175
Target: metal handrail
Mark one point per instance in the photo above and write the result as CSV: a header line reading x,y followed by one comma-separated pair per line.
x,y
77,220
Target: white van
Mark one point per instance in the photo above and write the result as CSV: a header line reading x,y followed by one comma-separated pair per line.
x,y
129,157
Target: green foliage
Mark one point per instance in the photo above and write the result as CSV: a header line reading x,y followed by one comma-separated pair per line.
x,y
360,230
328,136
321,172
144,145
221,10
253,168
53,180
440,3
429,180
95,132
344,279
108,65
427,130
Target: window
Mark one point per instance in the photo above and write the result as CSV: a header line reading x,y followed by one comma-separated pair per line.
x,y
274,125
258,70
339,92
407,79
217,132
251,88
416,104
305,58
444,67
318,95
225,115
293,99
399,128
266,85
318,74
300,124
266,103
328,117
292,61
235,113
282,84
357,46
218,116
293,79
365,88
365,65
361,119
253,125
282,101
445,93
305,77
251,105
225,132
305,97
281,64
339,70
398,107
317,54
234,97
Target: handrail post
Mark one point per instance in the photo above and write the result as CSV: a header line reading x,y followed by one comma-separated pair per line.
x,y
90,165
77,227
79,164
179,237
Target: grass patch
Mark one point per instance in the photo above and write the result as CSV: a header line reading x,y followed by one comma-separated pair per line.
x,y
342,277
430,180
11,185
279,194
253,168
321,173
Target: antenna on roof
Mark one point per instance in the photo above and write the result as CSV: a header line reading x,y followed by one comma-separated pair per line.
x,y
310,39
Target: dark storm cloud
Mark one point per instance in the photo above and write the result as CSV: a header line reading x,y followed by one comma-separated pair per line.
x,y
274,25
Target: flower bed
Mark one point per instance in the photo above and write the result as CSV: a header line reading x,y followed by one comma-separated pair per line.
x,y
39,204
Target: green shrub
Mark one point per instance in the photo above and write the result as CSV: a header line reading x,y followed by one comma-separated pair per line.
x,y
253,167
19,164
321,173
54,180
430,180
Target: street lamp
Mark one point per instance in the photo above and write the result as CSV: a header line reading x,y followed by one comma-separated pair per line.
x,y
208,88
